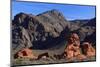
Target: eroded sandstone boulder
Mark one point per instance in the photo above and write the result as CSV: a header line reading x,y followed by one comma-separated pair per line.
x,y
88,49
25,53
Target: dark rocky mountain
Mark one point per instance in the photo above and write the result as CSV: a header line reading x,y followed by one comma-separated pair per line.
x,y
80,22
86,29
91,22
45,30
76,24
40,32
92,37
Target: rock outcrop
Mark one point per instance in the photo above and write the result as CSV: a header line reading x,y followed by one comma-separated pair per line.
x,y
84,28
73,48
88,50
25,53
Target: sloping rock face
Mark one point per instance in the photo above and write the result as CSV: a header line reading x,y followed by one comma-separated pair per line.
x,y
85,29
92,37
76,24
91,22
39,32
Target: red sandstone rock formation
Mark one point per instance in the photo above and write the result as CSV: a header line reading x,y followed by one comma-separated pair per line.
x,y
25,53
74,39
88,50
73,47
71,51
81,57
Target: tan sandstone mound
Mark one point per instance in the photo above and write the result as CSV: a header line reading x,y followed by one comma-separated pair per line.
x,y
25,53
88,50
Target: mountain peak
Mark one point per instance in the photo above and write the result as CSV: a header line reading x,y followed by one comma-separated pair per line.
x,y
52,12
20,14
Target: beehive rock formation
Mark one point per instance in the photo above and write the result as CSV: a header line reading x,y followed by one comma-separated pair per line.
x,y
73,47
88,50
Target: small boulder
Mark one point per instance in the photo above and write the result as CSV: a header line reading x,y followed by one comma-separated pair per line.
x,y
43,56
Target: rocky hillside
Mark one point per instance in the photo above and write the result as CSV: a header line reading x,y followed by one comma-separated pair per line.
x,y
92,37
46,30
76,24
84,29
91,22
41,31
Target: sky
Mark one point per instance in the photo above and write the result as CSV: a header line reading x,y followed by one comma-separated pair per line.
x,y
70,12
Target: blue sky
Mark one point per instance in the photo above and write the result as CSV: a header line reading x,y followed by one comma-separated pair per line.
x,y
71,12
